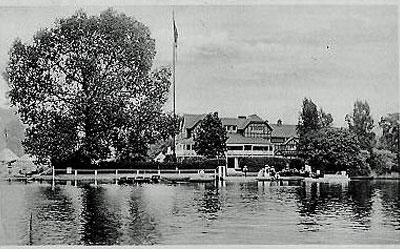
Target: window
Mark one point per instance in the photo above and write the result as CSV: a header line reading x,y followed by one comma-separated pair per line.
x,y
235,147
188,147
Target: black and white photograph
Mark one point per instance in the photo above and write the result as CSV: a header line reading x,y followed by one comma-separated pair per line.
x,y
199,124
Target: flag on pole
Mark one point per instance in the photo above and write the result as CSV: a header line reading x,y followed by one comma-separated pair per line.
x,y
175,30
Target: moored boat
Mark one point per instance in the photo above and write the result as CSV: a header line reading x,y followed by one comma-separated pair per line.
x,y
361,177
175,178
201,179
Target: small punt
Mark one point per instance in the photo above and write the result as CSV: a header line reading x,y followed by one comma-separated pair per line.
x,y
201,179
175,178
282,178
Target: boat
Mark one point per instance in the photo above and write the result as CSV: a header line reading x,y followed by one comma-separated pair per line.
x,y
175,178
142,179
361,177
265,178
201,179
291,178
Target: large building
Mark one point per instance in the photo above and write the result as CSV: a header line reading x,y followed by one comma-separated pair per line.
x,y
247,137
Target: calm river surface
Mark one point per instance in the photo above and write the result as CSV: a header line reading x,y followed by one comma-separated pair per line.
x,y
365,212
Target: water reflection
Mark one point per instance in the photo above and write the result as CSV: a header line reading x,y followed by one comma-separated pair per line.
x,y
101,218
238,213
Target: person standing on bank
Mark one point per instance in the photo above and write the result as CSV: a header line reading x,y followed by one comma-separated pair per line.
x,y
245,169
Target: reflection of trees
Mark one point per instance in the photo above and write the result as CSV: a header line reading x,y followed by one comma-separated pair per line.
x,y
209,200
141,227
101,223
360,193
390,196
54,217
318,198
317,201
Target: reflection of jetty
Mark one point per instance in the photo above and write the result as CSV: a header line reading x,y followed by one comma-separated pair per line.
x,y
130,176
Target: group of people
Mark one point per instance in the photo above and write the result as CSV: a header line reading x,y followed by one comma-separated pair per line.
x,y
268,171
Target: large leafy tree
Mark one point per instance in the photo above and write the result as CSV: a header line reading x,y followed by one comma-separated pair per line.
x,y
361,124
390,125
311,120
309,117
85,84
332,149
210,137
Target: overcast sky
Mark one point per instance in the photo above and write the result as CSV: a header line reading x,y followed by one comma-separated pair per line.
x,y
240,60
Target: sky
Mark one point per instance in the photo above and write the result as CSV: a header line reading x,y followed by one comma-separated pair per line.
x,y
263,59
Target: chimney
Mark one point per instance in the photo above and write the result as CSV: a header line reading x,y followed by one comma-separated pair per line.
x,y
279,122
241,117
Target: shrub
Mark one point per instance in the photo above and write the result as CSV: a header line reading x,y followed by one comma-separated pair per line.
x,y
383,161
255,164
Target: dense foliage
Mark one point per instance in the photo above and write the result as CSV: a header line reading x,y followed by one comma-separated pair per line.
x,y
256,163
390,134
85,86
332,149
361,124
326,148
383,161
210,137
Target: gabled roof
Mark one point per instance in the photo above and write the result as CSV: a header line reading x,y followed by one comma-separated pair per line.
x,y
235,138
190,120
291,140
284,130
7,155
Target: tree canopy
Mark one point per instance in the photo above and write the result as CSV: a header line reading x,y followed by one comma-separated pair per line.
x,y
390,125
333,149
86,85
325,147
210,137
361,124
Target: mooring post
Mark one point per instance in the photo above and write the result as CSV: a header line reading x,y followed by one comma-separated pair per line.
x,y
54,176
30,230
95,177
116,177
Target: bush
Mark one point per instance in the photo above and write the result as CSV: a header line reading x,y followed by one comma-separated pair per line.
x,y
255,164
383,161
296,163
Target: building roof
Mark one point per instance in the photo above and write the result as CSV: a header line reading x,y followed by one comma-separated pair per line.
x,y
186,141
239,139
284,130
191,120
6,155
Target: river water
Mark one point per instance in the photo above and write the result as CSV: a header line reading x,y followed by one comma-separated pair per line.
x,y
363,212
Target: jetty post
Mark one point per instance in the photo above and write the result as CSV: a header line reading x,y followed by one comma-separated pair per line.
x,y
76,178
95,177
53,178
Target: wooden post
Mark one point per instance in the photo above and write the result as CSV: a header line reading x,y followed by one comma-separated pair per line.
x,y
159,172
116,177
54,176
179,171
76,178
95,177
